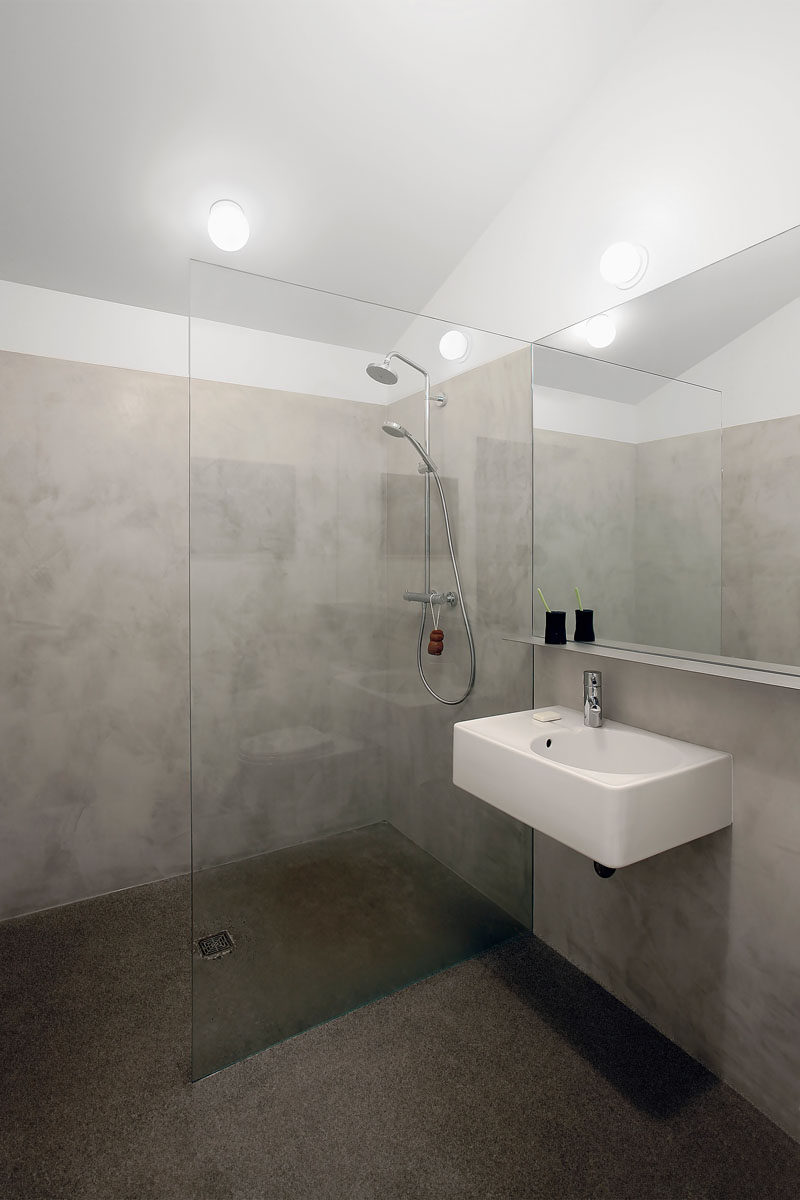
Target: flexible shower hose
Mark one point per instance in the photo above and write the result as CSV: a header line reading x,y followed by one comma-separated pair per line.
x,y
464,613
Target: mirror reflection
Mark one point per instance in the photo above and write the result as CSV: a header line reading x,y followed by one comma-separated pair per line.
x,y
731,329
627,503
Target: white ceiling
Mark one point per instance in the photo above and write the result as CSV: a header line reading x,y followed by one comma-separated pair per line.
x,y
369,141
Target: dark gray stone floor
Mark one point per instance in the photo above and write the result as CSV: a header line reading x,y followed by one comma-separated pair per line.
x,y
508,1076
322,928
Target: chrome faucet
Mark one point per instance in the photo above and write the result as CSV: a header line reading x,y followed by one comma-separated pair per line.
x,y
592,699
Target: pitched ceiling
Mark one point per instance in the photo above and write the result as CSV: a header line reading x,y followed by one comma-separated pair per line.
x,y
369,141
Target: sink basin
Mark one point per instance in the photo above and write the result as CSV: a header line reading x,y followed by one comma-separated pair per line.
x,y
610,750
616,794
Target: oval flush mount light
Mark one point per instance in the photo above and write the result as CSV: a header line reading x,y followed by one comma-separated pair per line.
x,y
227,225
623,264
454,345
600,331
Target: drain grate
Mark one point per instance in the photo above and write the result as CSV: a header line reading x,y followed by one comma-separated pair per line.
x,y
216,944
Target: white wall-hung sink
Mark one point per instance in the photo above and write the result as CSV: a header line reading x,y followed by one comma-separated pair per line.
x,y
616,794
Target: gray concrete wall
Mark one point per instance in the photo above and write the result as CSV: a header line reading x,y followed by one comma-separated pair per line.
x,y
677,543
583,530
761,541
637,528
700,940
481,443
305,701
288,584
93,630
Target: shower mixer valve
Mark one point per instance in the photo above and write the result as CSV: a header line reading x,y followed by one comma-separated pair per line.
x,y
432,598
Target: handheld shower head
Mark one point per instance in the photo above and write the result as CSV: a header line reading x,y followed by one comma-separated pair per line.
x,y
382,372
394,429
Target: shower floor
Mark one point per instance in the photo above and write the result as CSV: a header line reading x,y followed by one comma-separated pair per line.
x,y
321,928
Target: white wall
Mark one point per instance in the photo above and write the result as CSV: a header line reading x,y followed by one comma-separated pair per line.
x,y
561,411
687,152
103,333
81,329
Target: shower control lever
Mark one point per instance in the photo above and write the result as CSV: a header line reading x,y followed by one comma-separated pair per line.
x,y
432,598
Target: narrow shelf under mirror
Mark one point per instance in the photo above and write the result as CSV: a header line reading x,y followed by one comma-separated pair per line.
x,y
774,674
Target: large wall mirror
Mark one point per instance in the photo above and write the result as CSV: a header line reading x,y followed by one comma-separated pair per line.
x,y
667,466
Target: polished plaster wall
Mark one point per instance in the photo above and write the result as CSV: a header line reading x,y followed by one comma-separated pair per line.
x,y
288,583
700,940
759,374
668,550
636,526
677,543
481,442
307,525
584,529
305,697
93,630
761,541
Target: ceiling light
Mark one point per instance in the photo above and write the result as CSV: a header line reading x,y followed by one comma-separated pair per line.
x,y
454,345
600,331
227,225
623,264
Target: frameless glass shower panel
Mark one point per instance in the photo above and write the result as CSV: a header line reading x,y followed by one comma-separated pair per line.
x,y
332,859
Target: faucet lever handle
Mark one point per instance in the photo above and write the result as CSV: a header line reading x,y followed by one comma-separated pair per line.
x,y
592,699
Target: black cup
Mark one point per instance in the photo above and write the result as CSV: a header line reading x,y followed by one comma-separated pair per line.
x,y
555,628
584,624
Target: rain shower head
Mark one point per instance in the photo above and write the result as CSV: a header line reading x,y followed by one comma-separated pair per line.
x,y
382,372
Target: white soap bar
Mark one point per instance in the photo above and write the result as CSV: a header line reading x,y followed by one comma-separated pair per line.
x,y
546,715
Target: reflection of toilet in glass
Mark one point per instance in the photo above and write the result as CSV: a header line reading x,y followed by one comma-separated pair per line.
x,y
293,787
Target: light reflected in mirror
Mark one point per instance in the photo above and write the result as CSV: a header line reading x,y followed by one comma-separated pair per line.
x,y
732,327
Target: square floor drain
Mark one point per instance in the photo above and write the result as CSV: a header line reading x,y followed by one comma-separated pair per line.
x,y
215,945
